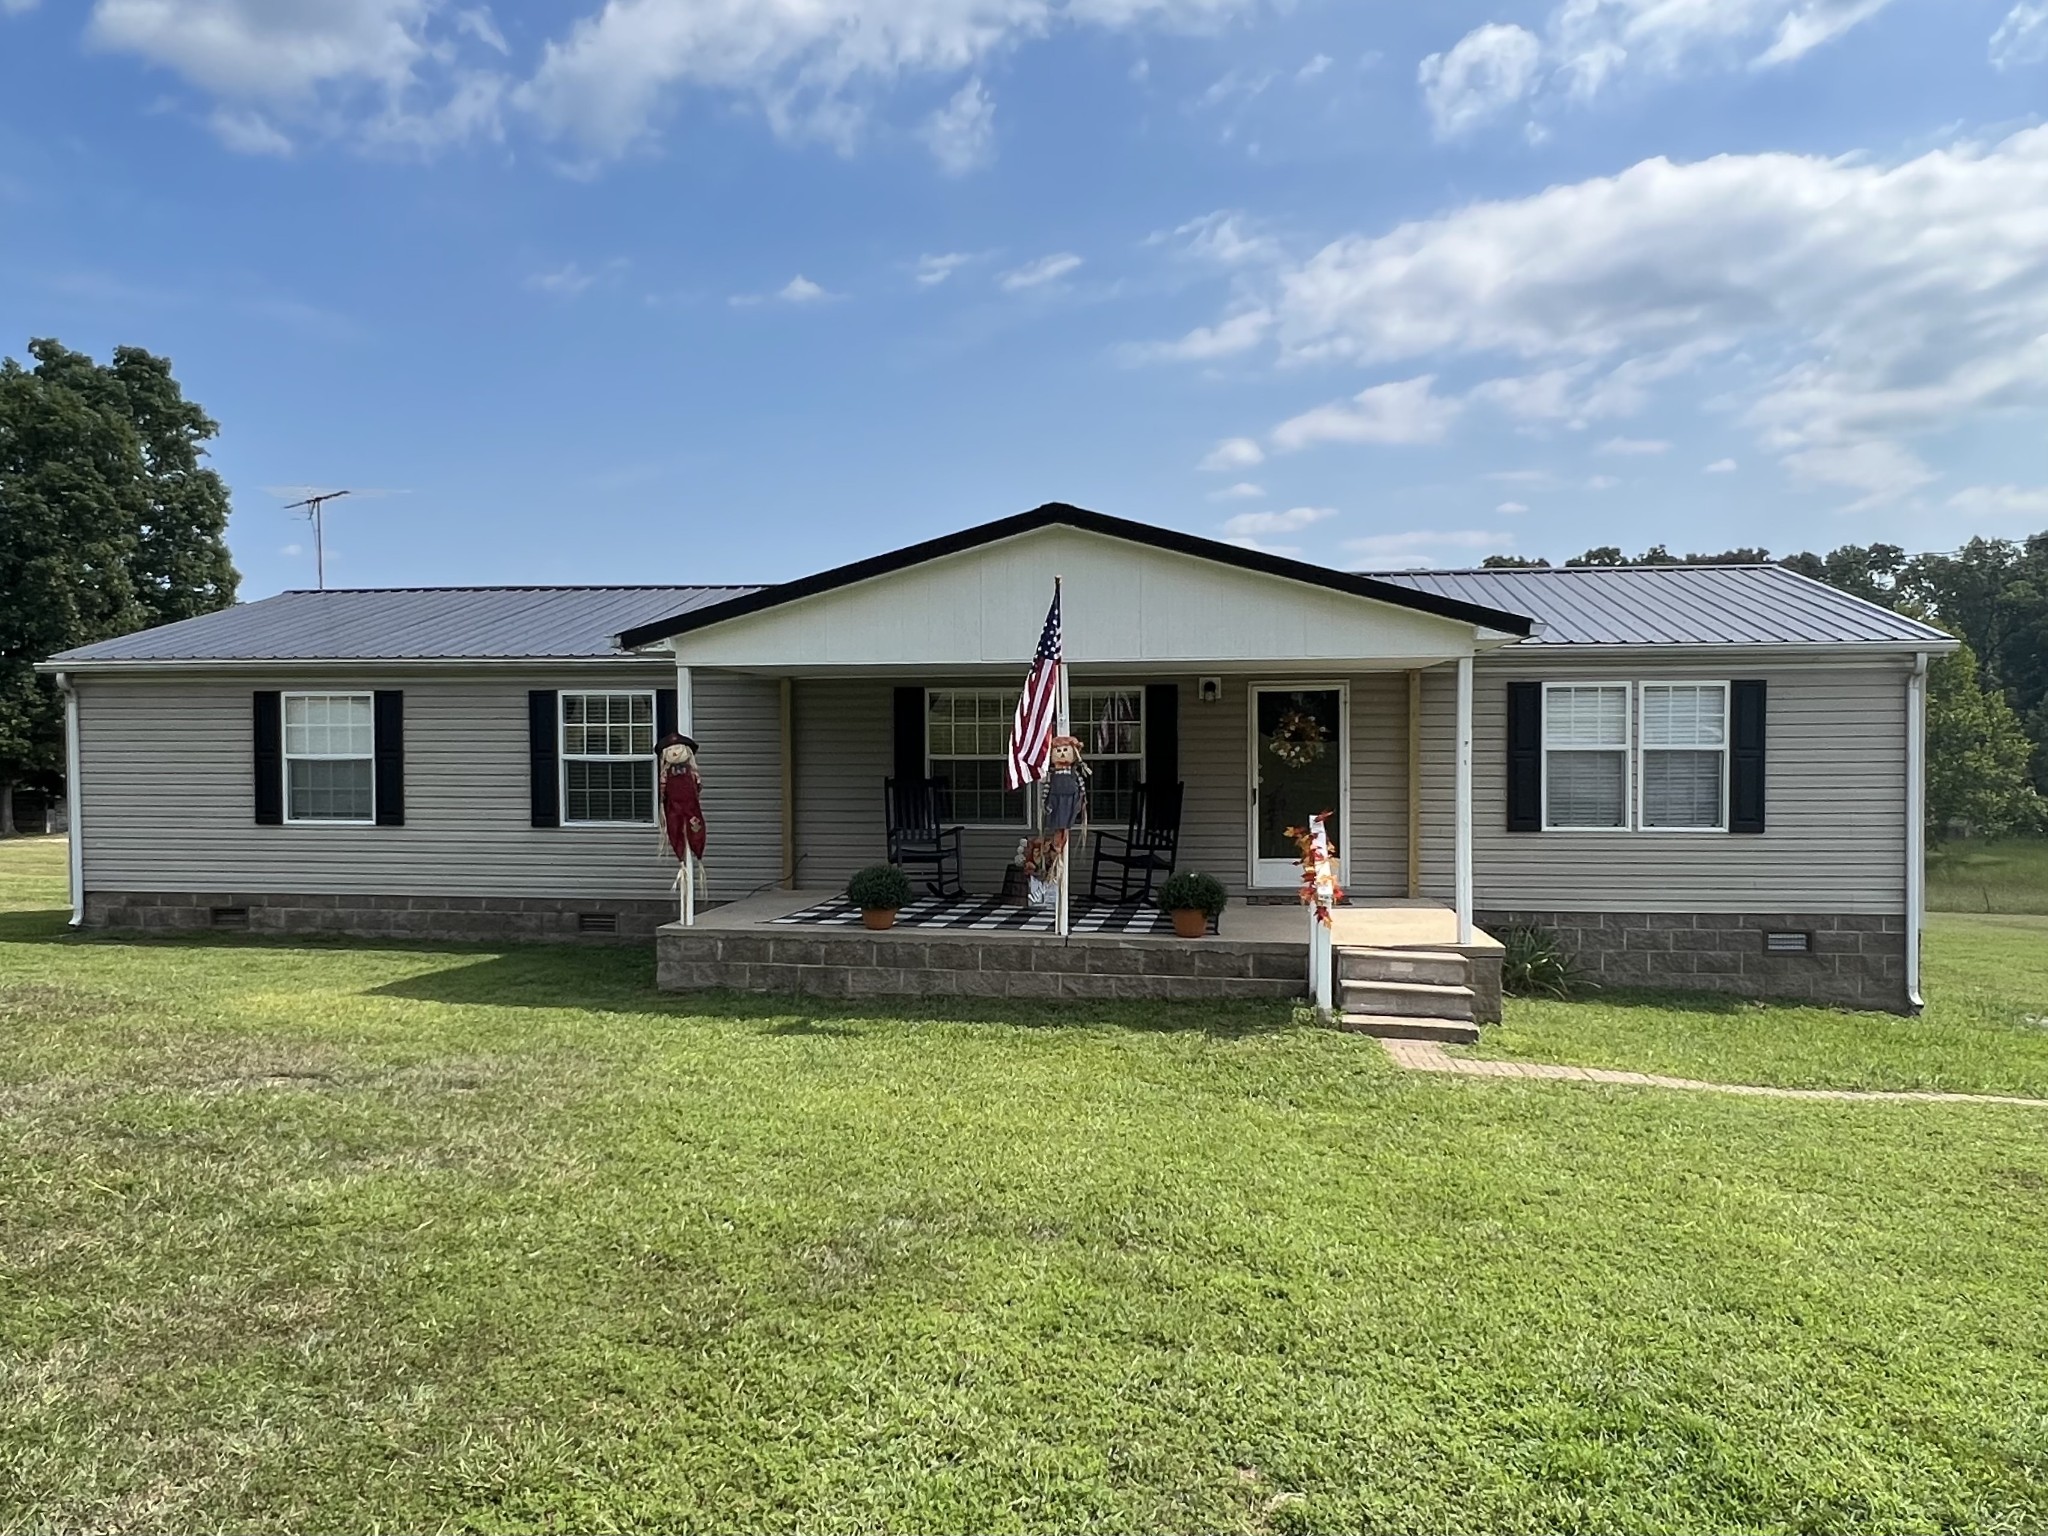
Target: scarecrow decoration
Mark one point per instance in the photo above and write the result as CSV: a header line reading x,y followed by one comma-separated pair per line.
x,y
1066,790
682,800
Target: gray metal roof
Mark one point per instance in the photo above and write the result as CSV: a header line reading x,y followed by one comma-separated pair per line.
x,y
411,624
1677,605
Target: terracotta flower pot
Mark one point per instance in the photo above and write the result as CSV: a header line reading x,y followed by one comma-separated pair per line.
x,y
1190,922
879,920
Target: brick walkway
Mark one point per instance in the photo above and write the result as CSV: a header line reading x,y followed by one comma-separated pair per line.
x,y
1428,1056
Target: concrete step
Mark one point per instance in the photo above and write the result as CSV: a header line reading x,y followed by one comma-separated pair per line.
x,y
1407,999
1387,1026
1436,967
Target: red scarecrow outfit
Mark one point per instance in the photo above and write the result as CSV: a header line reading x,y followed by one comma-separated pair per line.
x,y
682,796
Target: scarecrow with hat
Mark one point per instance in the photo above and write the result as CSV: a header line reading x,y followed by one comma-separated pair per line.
x,y
682,797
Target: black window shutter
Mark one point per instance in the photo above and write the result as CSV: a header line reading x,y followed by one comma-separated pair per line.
x,y
269,739
388,755
544,764
664,714
1748,705
1162,735
1525,757
909,757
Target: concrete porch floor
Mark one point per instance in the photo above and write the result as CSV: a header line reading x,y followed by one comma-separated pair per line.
x,y
1369,923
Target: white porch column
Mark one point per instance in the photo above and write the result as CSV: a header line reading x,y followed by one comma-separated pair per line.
x,y
1461,855
686,724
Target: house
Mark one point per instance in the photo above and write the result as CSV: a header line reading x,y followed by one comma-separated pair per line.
x,y
1696,776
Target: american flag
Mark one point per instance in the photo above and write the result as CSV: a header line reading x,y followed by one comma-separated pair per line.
x,y
1038,708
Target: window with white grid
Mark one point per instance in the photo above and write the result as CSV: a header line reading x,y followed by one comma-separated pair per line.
x,y
607,759
1585,756
1684,770
1110,724
330,740
967,743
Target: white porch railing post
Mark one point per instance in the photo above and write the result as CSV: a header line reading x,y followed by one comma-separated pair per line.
x,y
1462,850
686,723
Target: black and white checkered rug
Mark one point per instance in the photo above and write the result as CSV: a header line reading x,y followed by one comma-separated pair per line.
x,y
989,915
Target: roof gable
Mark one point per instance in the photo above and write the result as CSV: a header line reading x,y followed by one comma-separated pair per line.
x,y
1058,515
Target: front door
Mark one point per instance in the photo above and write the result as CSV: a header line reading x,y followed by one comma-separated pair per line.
x,y
1301,765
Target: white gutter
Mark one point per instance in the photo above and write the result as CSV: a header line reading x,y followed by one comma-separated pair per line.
x,y
1916,824
74,800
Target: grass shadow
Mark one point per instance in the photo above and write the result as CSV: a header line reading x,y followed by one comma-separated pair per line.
x,y
544,976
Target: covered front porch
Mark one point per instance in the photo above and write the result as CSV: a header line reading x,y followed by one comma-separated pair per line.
x,y
1260,950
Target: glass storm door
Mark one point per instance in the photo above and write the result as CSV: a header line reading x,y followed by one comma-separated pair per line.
x,y
1299,768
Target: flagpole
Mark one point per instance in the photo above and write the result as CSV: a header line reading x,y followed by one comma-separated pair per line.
x,y
1063,919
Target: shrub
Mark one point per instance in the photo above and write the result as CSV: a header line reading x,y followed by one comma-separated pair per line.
x,y
879,888
1536,965
1192,892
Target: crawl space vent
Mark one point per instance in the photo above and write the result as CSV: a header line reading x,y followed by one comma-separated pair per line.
x,y
1788,943
597,922
230,917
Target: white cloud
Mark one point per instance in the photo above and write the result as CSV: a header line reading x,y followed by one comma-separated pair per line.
x,y
934,270
812,66
1882,470
1252,525
2022,38
961,135
1512,508
1636,447
1233,453
1244,490
1846,302
1318,65
398,73
1225,238
1602,483
1405,412
568,280
1522,476
247,133
1586,44
1721,467
2002,501
1490,69
1036,274
1230,336
1420,547
291,550
799,290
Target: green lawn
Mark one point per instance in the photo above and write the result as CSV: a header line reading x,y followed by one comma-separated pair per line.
x,y
330,1238
1985,1029
2009,876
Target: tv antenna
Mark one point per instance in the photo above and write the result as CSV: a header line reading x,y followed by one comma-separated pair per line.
x,y
312,508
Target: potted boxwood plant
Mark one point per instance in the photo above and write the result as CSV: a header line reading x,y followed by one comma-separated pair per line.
x,y
880,891
1193,900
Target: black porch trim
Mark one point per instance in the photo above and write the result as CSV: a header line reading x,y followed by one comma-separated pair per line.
x,y
1059,514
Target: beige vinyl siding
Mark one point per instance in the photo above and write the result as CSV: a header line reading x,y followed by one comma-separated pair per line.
x,y
1835,791
167,793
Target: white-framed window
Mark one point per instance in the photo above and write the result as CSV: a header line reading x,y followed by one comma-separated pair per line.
x,y
967,743
1586,756
330,743
1682,776
1110,723
607,759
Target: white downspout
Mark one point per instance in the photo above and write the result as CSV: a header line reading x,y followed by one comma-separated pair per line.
x,y
1916,824
1462,846
74,801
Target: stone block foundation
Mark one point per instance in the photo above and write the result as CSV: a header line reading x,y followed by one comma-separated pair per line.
x,y
843,962
483,919
1853,961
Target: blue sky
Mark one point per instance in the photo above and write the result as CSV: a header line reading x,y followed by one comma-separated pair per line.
x,y
674,290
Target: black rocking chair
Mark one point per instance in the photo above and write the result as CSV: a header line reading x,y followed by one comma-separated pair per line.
x,y
919,841
1145,850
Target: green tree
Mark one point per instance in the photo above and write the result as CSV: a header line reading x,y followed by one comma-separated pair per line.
x,y
108,523
1977,755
